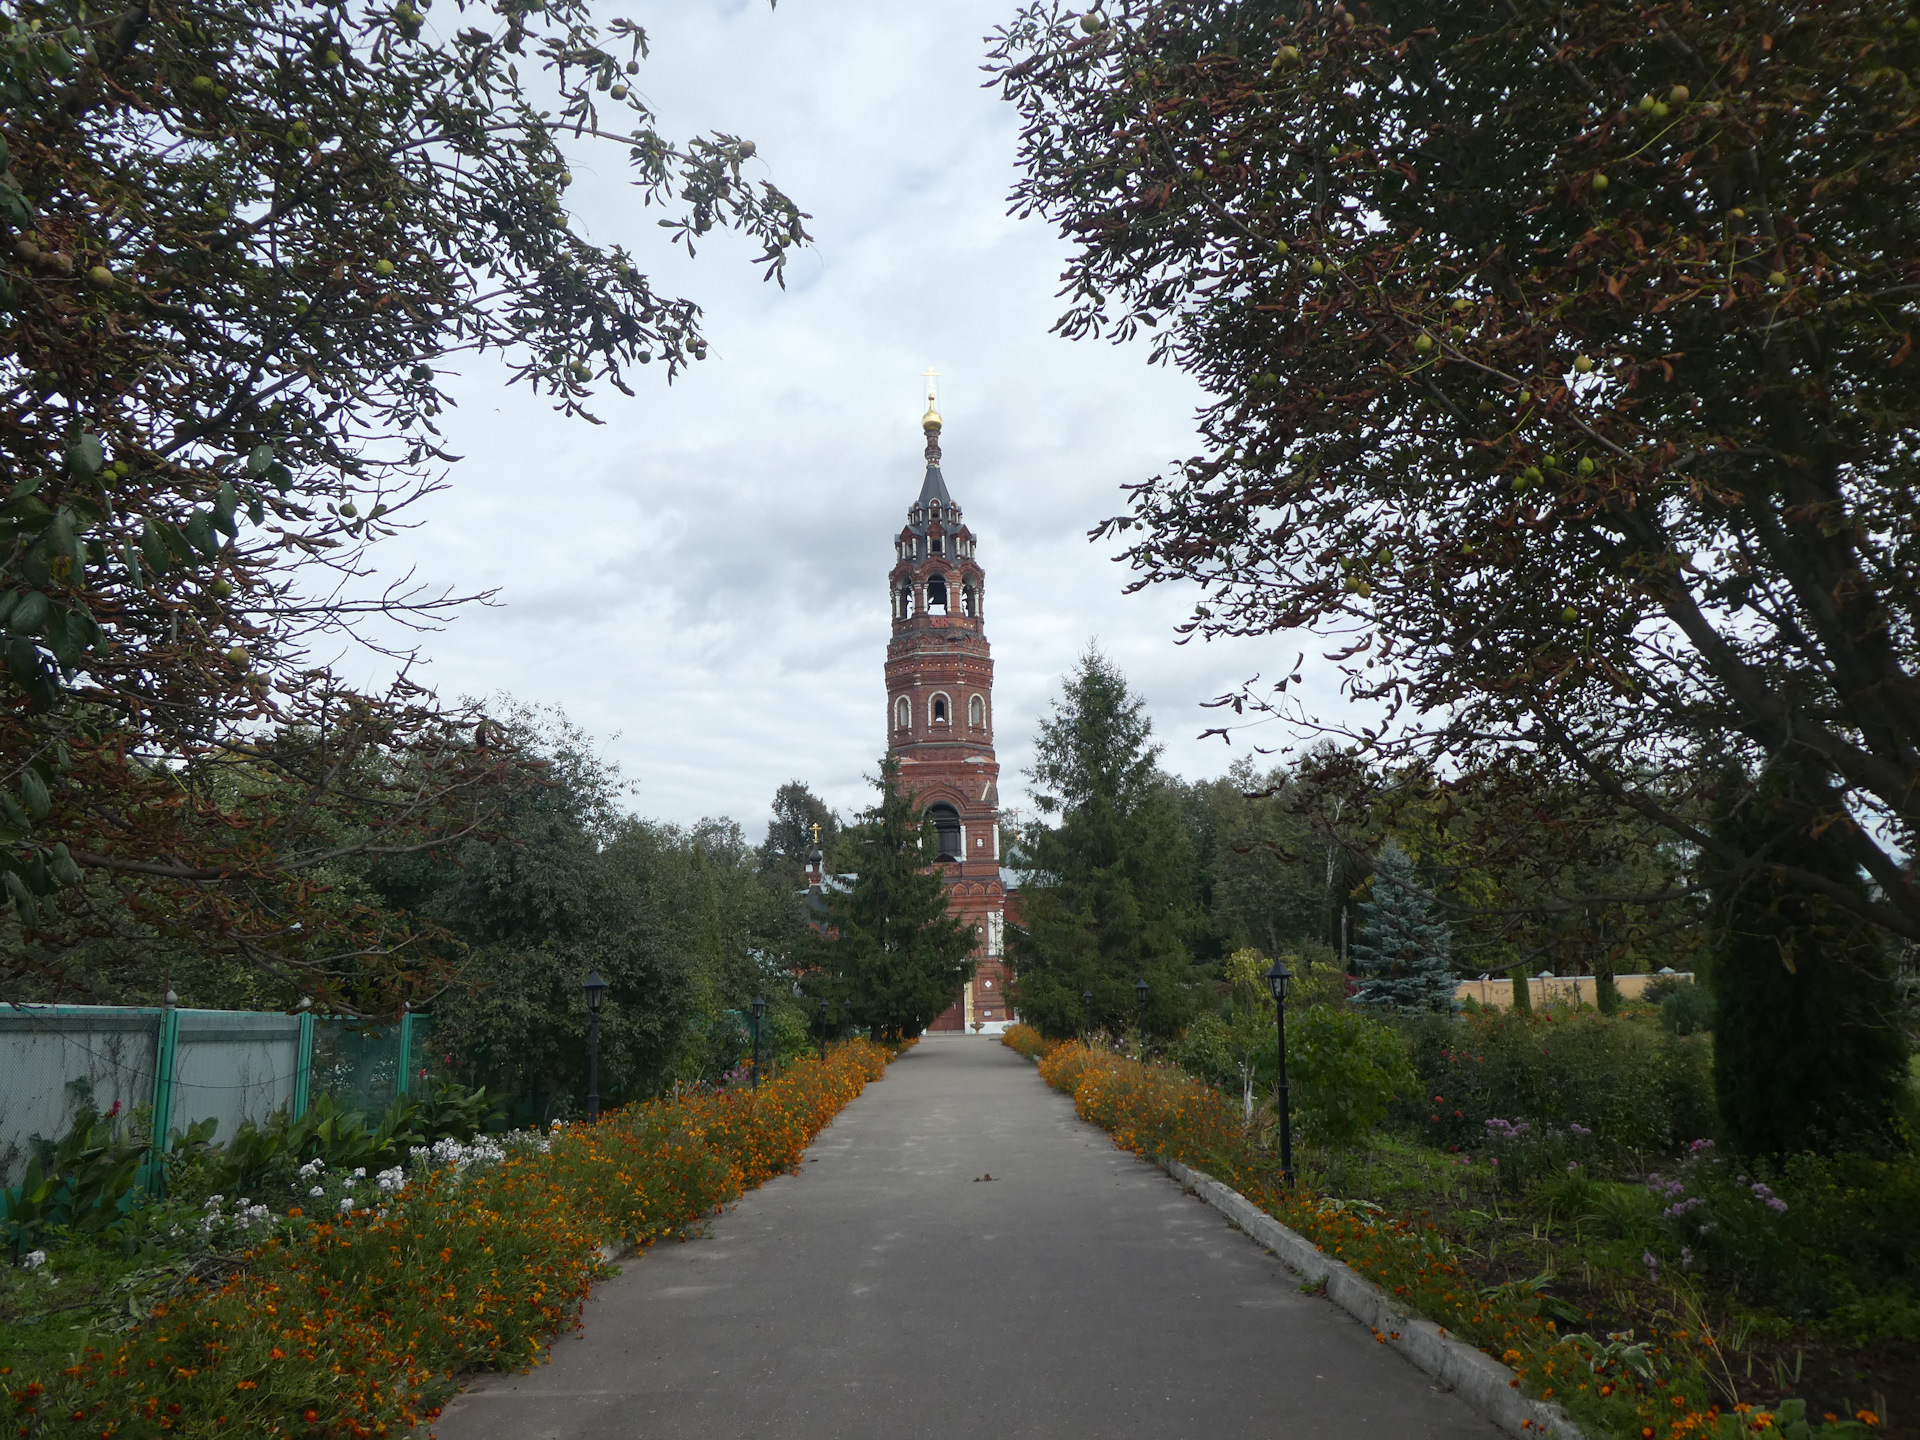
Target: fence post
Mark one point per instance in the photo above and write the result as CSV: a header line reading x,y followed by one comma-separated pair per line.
x,y
406,1053
166,1047
303,1067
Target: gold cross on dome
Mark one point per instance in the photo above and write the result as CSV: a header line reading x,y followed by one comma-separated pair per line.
x,y
816,832
932,389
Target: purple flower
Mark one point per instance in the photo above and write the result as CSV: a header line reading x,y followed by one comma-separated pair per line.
x,y
1653,1265
1580,1130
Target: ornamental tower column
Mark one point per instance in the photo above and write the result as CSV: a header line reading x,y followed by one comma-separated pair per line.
x,y
940,720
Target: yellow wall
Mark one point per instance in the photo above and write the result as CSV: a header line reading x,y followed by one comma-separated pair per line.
x,y
1497,993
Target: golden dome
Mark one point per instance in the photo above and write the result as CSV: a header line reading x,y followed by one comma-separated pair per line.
x,y
930,420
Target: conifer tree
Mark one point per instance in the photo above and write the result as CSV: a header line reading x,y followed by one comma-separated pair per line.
x,y
1107,901
1405,955
891,947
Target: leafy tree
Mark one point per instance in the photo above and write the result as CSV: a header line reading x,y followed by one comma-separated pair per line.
x,y
1808,1052
1263,878
1107,898
890,945
1403,953
1558,364
1549,875
243,247
791,834
674,920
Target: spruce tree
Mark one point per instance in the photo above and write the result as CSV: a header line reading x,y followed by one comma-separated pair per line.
x,y
891,947
1404,953
1107,900
1807,1053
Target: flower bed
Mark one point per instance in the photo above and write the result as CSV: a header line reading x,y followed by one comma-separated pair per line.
x,y
1027,1041
1615,1385
355,1319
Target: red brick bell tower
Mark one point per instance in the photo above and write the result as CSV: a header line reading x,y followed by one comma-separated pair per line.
x,y
940,722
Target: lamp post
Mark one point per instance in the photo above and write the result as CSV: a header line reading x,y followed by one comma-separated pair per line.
x,y
826,1022
759,1012
1277,979
595,989
1140,992
1086,1002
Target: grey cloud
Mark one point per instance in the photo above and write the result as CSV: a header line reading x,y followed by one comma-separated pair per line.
x,y
703,576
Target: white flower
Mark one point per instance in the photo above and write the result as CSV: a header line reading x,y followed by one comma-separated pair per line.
x,y
214,1202
34,1259
312,1168
391,1180
346,1206
360,1173
317,1191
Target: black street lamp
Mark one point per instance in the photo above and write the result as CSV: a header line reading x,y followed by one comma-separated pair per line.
x,y
595,989
1140,990
826,1023
759,1011
1086,1001
1277,979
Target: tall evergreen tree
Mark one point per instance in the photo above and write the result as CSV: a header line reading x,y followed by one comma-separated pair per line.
x,y
1404,954
1807,1052
891,947
1108,896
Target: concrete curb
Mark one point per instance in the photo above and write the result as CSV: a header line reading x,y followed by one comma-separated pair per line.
x,y
1472,1374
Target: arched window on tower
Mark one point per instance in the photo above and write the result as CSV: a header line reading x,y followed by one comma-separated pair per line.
x,y
902,714
977,713
968,605
903,602
946,831
937,594
939,711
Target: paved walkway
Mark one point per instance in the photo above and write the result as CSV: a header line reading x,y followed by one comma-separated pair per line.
x,y
889,1291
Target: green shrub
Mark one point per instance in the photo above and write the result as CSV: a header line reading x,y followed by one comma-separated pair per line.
x,y
1656,990
1687,1010
1629,1083
1346,1070
82,1184
263,1158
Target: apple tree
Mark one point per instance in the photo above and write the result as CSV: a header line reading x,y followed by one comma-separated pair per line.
x,y
245,245
1559,357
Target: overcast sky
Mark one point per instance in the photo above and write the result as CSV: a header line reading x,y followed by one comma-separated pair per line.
x,y
700,582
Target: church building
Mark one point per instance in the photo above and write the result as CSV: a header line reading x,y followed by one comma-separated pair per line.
x,y
940,723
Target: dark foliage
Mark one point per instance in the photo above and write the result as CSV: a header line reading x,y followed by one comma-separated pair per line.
x,y
1808,1050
